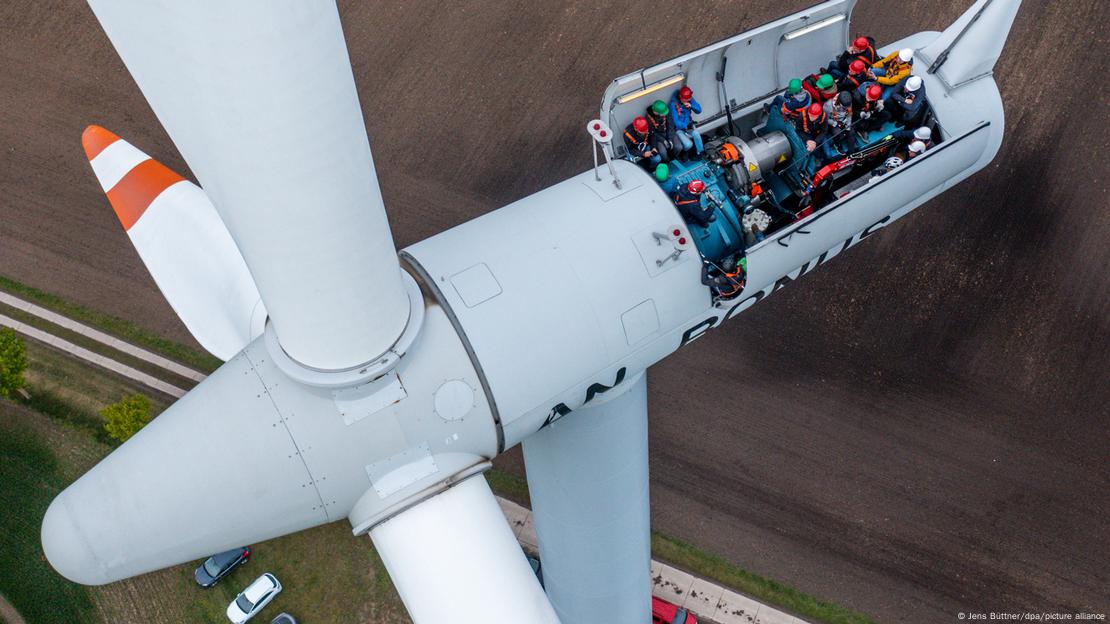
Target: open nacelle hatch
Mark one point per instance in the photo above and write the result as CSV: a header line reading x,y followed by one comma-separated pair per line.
x,y
757,65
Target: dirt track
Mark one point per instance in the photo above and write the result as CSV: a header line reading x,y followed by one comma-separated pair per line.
x,y
918,428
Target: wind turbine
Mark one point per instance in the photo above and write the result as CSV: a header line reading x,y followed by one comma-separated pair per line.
x,y
364,385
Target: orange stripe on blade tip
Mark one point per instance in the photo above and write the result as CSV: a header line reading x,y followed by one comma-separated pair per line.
x,y
134,193
94,139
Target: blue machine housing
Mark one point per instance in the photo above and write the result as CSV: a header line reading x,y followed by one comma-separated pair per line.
x,y
723,236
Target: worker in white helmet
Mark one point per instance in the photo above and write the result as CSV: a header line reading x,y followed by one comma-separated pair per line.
x,y
923,134
891,70
907,104
915,149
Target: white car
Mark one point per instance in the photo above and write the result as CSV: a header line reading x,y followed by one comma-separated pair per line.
x,y
251,600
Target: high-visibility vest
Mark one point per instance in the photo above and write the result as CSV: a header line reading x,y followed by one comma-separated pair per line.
x,y
735,284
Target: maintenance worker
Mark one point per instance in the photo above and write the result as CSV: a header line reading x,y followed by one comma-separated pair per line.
x,y
796,100
908,104
839,113
858,73
637,139
923,134
821,88
725,280
861,49
811,126
892,69
915,149
871,113
688,200
683,109
666,181
662,133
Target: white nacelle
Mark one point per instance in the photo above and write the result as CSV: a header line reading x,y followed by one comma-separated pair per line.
x,y
563,288
559,295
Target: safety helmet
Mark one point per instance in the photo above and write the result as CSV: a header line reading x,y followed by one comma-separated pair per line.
x,y
844,98
659,107
695,187
825,82
924,133
917,147
874,92
905,55
861,43
685,94
814,110
892,162
640,124
662,172
728,265
913,84
856,67
794,86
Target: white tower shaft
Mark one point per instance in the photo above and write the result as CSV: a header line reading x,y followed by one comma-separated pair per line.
x,y
588,480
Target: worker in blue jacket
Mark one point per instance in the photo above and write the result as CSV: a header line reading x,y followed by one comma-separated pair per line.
x,y
908,104
683,109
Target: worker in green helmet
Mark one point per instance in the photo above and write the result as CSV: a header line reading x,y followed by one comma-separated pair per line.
x,y
665,179
662,132
821,87
796,99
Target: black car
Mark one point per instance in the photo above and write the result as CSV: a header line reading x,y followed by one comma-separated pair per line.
x,y
219,565
284,618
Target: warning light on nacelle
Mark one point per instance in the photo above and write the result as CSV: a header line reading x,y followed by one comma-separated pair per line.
x,y
677,232
682,240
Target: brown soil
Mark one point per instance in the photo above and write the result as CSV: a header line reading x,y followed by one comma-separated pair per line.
x,y
918,429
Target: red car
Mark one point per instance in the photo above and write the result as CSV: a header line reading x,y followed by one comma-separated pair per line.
x,y
663,612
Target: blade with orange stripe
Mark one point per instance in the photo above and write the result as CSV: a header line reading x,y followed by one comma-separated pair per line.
x,y
182,241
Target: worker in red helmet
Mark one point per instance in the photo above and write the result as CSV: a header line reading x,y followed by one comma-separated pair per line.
x,y
683,109
637,138
812,126
858,73
871,111
688,200
860,49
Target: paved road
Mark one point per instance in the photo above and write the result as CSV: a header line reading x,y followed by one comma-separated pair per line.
x,y
8,614
916,429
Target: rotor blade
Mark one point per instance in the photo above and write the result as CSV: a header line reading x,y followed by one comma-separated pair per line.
x,y
218,469
182,242
259,97
588,482
454,560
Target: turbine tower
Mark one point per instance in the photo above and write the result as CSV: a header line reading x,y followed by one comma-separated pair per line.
x,y
364,384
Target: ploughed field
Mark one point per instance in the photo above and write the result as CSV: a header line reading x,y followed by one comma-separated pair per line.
x,y
916,429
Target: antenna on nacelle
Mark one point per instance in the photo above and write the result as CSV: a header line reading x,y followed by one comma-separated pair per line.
x,y
600,133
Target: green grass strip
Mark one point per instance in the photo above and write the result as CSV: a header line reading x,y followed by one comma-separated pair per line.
x,y
30,476
688,557
700,563
124,330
